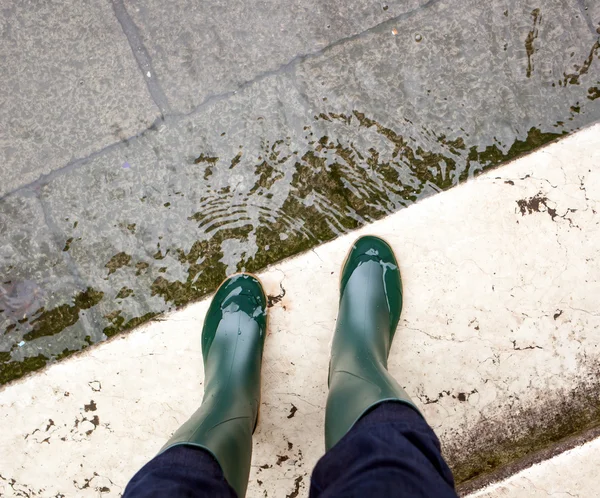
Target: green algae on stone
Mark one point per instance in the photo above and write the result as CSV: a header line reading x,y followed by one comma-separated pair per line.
x,y
335,182
140,267
66,353
212,271
117,261
210,161
540,426
205,159
580,70
236,160
11,370
119,324
266,176
315,173
68,244
54,321
130,227
531,37
432,167
492,155
124,292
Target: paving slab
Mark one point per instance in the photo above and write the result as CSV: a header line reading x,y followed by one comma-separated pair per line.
x,y
70,87
202,49
591,9
497,343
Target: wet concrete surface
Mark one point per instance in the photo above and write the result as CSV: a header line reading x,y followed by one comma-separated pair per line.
x,y
69,85
244,40
281,158
591,11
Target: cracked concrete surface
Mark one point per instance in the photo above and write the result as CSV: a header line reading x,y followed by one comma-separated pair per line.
x,y
497,344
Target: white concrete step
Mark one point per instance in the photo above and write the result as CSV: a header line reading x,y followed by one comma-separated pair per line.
x,y
572,473
498,344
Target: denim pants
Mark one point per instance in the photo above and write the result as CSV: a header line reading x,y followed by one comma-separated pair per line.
x,y
390,452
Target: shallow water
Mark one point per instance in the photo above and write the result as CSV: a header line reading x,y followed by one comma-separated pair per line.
x,y
360,129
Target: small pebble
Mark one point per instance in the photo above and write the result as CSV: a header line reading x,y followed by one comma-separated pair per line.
x,y
394,31
418,38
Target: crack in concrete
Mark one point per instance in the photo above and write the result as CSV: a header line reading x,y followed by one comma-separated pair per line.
x,y
514,343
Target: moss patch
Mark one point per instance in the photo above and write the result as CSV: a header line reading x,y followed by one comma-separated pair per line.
x,y
509,437
11,370
117,261
119,324
124,292
53,321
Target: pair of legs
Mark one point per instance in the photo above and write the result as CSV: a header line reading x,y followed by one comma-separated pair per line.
x,y
378,444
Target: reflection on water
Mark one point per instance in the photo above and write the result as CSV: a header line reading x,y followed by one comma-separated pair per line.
x,y
265,175
19,300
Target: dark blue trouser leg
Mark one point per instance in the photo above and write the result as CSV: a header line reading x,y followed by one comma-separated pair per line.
x,y
390,452
180,472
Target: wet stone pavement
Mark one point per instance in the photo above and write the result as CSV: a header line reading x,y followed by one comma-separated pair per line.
x,y
266,149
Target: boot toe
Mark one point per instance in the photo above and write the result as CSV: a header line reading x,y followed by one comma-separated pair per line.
x,y
243,290
370,248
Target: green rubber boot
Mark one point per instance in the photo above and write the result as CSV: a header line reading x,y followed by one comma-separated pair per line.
x,y
233,338
370,306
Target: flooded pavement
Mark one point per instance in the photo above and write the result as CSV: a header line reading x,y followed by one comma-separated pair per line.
x,y
250,167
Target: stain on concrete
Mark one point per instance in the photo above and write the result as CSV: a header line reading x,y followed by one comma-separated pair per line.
x,y
531,37
273,300
90,407
510,436
541,204
293,411
296,491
